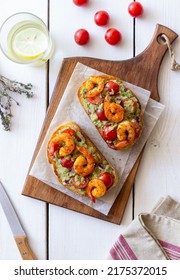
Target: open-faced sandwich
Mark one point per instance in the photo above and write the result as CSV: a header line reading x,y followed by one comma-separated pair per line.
x,y
113,108
78,164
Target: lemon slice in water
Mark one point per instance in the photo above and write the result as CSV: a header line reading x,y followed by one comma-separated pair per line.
x,y
30,43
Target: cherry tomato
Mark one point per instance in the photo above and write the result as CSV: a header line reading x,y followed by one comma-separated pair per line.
x,y
81,185
137,128
108,133
53,149
67,163
101,115
80,2
70,131
95,100
112,87
101,18
135,9
107,179
113,36
81,36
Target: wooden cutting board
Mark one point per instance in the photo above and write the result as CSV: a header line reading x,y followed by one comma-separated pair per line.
x,y
142,71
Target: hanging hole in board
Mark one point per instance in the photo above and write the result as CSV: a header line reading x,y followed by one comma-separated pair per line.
x,y
161,40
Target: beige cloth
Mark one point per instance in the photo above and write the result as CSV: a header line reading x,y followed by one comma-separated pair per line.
x,y
151,236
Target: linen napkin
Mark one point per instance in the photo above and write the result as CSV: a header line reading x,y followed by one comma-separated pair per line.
x,y
151,236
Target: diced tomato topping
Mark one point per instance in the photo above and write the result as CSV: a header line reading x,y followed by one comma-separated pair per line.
x,y
101,115
81,185
53,149
107,179
137,128
108,133
112,87
95,100
68,163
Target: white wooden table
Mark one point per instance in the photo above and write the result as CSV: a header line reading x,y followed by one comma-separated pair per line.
x,y
54,232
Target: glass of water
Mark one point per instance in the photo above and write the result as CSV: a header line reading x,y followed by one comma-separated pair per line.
x,y
25,39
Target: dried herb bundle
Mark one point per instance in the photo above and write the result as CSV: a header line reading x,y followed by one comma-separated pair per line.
x,y
7,87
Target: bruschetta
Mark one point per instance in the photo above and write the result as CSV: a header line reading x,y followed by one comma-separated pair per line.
x,y
114,110
78,164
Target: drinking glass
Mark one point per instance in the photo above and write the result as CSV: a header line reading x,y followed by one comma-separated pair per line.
x,y
25,39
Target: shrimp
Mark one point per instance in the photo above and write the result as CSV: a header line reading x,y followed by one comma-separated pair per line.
x,y
68,144
126,134
95,86
84,164
113,112
95,189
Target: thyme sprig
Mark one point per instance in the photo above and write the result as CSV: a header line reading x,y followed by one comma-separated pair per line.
x,y
7,87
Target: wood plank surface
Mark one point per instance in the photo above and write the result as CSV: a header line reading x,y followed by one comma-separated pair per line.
x,y
66,225
54,232
158,175
17,145
135,71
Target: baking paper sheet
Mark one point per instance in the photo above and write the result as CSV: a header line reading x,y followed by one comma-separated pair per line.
x,y
70,109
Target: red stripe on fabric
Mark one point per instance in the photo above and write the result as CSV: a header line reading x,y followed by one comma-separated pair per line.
x,y
122,251
171,250
129,251
114,254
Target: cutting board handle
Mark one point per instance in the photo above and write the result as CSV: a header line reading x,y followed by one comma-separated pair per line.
x,y
150,59
157,47
157,41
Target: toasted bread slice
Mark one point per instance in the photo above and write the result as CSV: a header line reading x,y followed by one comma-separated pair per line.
x,y
114,110
78,164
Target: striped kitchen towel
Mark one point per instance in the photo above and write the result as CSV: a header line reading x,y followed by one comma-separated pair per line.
x,y
151,236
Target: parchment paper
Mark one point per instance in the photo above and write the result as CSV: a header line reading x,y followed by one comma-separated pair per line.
x,y
70,109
